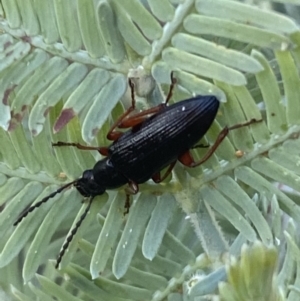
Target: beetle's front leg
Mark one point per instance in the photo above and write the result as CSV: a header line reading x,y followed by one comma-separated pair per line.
x,y
132,188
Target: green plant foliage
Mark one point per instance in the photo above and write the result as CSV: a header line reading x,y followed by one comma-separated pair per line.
x,y
226,230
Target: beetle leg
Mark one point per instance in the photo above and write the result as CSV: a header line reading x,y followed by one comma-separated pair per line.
x,y
187,159
157,178
140,117
125,121
102,150
132,188
113,134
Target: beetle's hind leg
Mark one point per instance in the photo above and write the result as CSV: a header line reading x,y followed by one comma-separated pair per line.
x,y
102,150
188,160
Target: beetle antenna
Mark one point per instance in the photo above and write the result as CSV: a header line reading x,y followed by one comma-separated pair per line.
x,y
72,233
44,200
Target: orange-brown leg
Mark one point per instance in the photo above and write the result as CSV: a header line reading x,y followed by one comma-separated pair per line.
x,y
157,178
102,150
138,118
187,159
113,134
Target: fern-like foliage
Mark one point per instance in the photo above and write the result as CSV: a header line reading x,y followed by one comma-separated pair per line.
x,y
63,77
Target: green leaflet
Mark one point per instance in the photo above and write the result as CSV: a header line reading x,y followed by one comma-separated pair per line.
x,y
63,77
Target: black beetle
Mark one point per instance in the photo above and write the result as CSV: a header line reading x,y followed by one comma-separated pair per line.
x,y
157,138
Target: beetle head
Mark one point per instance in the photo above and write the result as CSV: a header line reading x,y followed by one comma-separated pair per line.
x,y
87,186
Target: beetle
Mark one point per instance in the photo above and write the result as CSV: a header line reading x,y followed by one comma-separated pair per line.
x,y
157,138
